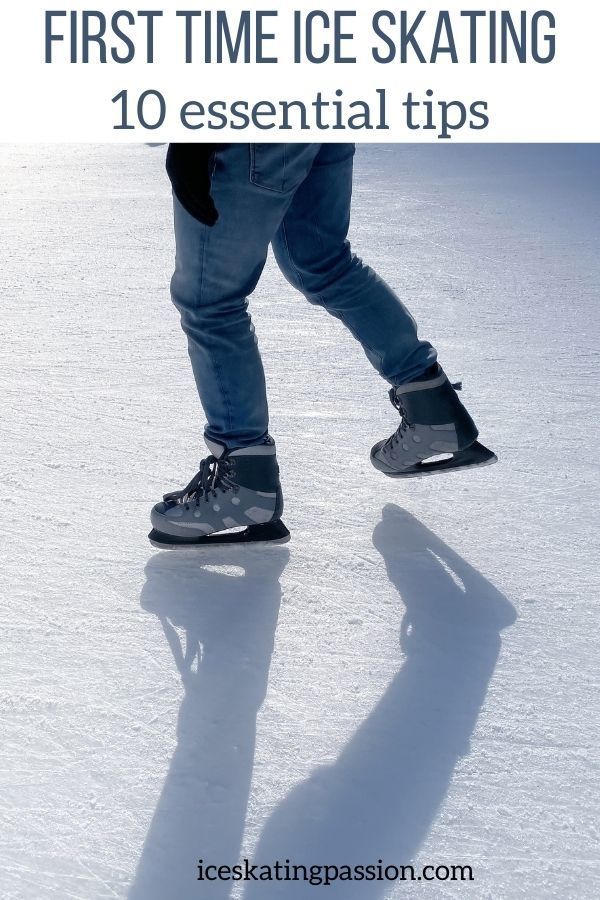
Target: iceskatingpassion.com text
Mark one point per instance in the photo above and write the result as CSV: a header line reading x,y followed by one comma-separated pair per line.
x,y
317,875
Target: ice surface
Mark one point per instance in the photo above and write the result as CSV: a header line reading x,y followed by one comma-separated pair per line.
x,y
415,675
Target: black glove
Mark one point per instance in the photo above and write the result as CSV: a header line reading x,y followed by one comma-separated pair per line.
x,y
189,168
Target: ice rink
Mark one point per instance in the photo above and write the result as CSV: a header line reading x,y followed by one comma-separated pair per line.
x,y
415,676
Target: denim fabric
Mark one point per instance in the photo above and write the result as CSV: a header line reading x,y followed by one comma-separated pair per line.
x,y
295,197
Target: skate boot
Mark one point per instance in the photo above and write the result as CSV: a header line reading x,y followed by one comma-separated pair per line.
x,y
434,423
232,489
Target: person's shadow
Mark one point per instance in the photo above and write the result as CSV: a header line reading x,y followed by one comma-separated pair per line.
x,y
381,796
229,622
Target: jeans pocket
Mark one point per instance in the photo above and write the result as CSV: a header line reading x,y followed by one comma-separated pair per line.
x,y
268,166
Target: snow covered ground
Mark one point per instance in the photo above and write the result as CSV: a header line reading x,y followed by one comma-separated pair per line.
x,y
415,675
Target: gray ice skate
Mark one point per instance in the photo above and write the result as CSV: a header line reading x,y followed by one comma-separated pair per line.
x,y
232,489
434,424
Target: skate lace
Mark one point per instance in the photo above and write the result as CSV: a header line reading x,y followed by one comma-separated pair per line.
x,y
213,473
405,425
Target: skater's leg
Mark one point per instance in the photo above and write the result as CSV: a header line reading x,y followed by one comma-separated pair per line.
x,y
314,254
312,250
217,268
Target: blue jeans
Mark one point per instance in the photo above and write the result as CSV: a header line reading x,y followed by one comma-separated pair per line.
x,y
295,197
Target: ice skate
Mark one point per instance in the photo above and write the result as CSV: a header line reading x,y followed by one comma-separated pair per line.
x,y
436,433
235,498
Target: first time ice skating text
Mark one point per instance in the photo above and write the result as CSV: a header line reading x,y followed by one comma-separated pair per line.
x,y
221,36
343,38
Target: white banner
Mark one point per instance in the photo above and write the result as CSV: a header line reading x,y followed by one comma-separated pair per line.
x,y
245,72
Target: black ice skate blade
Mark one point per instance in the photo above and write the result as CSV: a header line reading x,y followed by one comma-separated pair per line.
x,y
473,457
271,533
